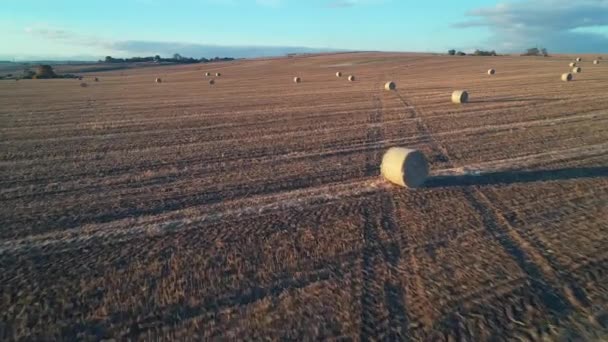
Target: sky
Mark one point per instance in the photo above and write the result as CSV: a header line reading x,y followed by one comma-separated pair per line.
x,y
92,29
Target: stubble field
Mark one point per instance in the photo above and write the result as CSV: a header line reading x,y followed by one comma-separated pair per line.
x,y
254,208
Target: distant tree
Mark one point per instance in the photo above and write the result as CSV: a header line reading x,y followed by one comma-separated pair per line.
x,y
45,71
484,53
109,59
532,52
451,52
157,58
460,53
545,52
177,57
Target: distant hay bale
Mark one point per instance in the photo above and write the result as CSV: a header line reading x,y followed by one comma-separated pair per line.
x,y
159,80
207,74
351,78
567,77
96,79
577,70
404,167
211,82
390,86
84,85
491,72
218,74
572,65
596,62
460,96
579,59
338,74
297,80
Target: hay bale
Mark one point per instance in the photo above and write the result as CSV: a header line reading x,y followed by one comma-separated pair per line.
x,y
96,79
460,96
567,77
218,74
577,70
338,74
596,62
84,85
351,78
207,74
159,80
572,65
491,72
390,86
579,59
211,82
405,167
297,80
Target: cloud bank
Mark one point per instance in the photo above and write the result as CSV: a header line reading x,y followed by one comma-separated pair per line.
x,y
559,25
130,48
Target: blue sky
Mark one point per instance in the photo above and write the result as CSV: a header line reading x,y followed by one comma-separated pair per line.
x,y
246,28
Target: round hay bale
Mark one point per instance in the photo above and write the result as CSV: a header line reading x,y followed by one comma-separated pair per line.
x,y
211,82
158,80
577,70
596,62
338,74
404,167
218,74
207,74
96,79
84,85
491,72
567,77
579,59
390,86
351,78
297,80
460,96
572,65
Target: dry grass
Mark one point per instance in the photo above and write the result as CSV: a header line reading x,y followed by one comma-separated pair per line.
x,y
256,210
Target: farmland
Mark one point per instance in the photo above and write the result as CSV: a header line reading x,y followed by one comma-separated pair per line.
x,y
255,208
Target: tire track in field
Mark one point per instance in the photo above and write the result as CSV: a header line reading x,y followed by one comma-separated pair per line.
x,y
541,276
383,308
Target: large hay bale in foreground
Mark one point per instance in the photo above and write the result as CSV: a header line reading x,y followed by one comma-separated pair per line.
x,y
390,85
338,74
405,167
567,77
460,96
351,78
572,65
491,72
596,62
577,70
297,80
158,80
211,82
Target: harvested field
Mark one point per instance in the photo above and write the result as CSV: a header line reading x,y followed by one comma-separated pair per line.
x,y
255,208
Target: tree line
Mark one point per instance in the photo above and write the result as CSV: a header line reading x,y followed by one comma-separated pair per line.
x,y
177,58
